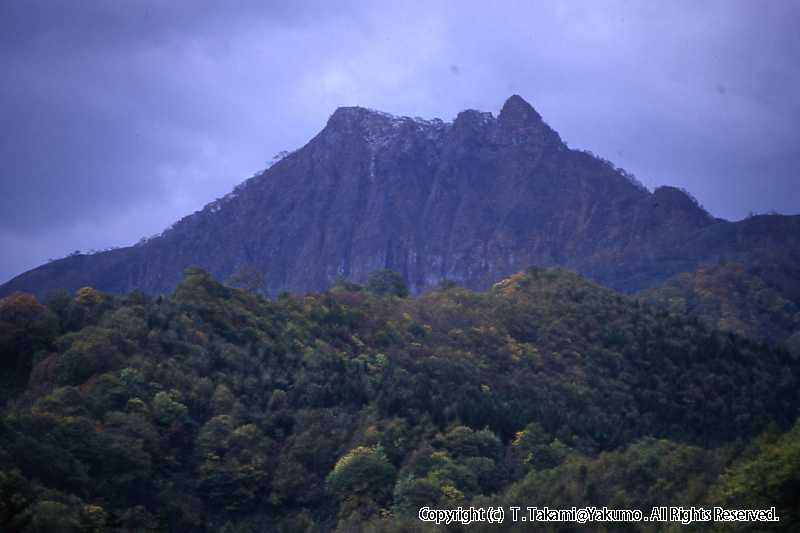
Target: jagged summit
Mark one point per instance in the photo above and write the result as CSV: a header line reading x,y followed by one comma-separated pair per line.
x,y
346,118
521,124
518,109
470,201
516,115
515,110
517,124
357,115
351,127
474,116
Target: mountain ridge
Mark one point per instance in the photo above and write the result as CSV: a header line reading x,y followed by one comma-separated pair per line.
x,y
468,201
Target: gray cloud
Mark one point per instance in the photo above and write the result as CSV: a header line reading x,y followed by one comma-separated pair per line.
x,y
121,117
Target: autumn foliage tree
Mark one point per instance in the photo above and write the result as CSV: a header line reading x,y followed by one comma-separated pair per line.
x,y
26,327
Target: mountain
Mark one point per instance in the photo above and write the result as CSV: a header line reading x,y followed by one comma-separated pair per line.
x,y
469,202
215,409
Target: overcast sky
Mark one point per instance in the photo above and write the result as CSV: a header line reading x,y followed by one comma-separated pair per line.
x,y
119,117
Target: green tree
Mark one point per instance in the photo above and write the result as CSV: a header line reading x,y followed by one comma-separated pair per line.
x,y
248,278
50,516
25,327
166,409
387,283
362,471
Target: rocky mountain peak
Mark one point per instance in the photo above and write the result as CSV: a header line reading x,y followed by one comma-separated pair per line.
x,y
520,124
379,130
470,201
517,110
348,118
471,118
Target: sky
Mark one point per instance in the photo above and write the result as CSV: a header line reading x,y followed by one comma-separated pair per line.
x,y
119,117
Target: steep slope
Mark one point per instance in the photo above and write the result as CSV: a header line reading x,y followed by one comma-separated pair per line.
x,y
469,201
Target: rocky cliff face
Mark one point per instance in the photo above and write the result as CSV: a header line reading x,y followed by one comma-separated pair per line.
x,y
469,201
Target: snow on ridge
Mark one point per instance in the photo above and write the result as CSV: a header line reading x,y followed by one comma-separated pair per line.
x,y
381,128
397,121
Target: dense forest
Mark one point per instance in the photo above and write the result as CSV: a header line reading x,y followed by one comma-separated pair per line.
x,y
757,299
215,409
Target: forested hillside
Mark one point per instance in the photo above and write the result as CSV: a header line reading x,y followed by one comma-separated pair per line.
x,y
214,409
760,300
